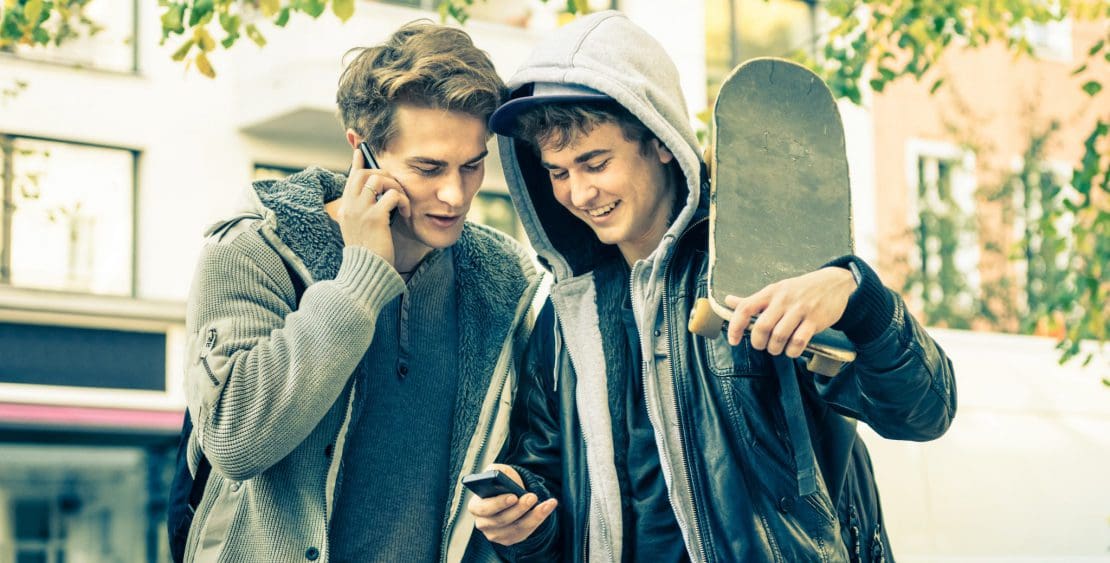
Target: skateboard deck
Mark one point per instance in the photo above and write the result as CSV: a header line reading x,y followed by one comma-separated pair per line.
x,y
780,202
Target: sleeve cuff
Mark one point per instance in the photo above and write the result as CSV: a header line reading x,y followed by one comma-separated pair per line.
x,y
368,277
870,309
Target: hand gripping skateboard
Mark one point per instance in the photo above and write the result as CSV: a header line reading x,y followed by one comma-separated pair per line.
x,y
779,202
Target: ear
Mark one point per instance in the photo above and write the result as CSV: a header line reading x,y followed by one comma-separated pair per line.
x,y
661,150
353,138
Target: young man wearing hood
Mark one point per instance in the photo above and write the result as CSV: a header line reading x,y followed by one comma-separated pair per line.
x,y
338,424
636,439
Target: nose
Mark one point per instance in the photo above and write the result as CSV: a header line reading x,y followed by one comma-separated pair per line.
x,y
451,191
582,191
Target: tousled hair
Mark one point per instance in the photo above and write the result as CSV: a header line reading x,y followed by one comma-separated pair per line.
x,y
422,64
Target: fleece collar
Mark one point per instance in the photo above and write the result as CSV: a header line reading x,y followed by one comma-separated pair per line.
x,y
494,274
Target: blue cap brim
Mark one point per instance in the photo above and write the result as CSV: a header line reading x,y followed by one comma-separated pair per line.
x,y
504,119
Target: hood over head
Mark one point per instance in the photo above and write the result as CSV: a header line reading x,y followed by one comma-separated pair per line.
x,y
596,56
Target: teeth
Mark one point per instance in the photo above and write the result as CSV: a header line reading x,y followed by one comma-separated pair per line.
x,y
599,211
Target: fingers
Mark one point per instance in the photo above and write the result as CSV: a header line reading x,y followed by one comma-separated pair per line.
x,y
783,331
763,327
355,180
518,529
742,312
512,510
800,339
370,187
791,311
393,198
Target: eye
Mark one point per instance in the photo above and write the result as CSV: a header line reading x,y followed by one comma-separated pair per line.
x,y
434,171
473,167
598,167
558,174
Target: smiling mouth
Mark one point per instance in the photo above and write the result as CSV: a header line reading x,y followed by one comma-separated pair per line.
x,y
602,211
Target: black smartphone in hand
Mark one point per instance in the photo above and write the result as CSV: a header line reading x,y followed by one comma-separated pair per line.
x,y
492,483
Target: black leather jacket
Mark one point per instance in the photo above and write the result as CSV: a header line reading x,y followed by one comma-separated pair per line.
x,y
740,418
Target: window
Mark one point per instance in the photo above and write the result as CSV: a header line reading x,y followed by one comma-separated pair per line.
x,y
1050,40
738,30
39,531
67,220
108,43
944,276
1045,249
61,504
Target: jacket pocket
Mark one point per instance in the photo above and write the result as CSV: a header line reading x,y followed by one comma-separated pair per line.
x,y
726,360
207,369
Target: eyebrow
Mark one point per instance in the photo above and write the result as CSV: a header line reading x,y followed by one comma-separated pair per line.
x,y
436,162
584,157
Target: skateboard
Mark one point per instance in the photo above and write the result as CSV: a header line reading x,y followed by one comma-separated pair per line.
x,y
779,202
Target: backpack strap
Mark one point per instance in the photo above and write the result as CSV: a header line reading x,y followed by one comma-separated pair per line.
x,y
298,283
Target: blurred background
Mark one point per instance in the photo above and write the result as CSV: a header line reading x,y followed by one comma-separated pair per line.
x,y
978,147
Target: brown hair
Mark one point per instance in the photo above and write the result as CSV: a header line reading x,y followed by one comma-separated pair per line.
x,y
423,64
557,125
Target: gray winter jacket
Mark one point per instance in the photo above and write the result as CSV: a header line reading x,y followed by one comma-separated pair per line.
x,y
269,383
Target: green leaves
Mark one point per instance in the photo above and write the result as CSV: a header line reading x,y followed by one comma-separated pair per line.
x,y
173,20
343,9
877,42
44,22
193,19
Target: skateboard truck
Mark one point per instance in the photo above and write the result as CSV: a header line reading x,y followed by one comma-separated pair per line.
x,y
827,352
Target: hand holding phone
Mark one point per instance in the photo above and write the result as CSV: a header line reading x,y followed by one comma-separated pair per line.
x,y
369,200
503,511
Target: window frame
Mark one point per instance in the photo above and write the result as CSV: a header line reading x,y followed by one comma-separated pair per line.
x,y
964,185
7,206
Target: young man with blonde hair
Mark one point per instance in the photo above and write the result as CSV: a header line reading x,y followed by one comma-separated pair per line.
x,y
339,416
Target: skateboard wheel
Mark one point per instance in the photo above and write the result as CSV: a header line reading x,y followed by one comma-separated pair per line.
x,y
824,365
703,321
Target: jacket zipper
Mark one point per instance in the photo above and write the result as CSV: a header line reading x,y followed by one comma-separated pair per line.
x,y
589,477
695,527
209,345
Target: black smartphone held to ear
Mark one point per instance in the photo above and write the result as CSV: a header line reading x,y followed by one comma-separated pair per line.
x,y
492,483
372,164
367,156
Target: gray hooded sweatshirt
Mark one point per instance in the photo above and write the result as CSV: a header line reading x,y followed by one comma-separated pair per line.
x,y
606,52
269,382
